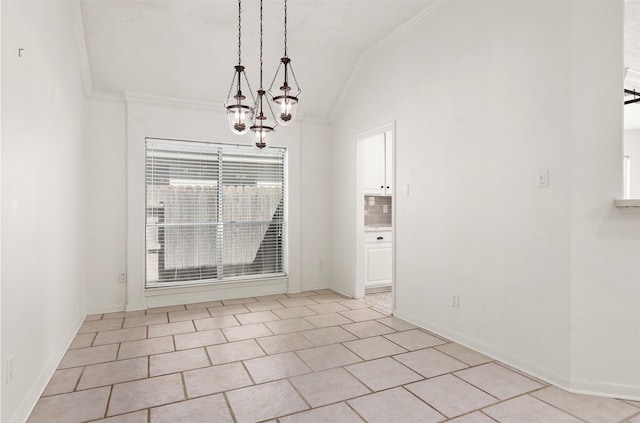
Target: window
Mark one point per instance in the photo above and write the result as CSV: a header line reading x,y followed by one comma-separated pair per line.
x,y
214,212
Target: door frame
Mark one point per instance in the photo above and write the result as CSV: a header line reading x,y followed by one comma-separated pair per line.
x,y
360,273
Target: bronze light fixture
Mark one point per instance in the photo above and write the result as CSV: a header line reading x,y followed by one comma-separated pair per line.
x,y
262,126
239,114
285,102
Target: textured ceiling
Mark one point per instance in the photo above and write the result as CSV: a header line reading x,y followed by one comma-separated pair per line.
x,y
187,49
632,34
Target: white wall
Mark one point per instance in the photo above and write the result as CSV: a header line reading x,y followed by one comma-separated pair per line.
x,y
315,204
106,181
491,102
632,149
605,243
43,196
116,209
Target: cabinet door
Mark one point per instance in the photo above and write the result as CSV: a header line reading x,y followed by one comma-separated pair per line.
x,y
374,161
379,264
388,163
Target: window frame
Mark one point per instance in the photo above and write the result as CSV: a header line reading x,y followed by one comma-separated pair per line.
x,y
227,150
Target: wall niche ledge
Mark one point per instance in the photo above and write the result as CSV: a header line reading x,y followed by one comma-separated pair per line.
x,y
628,206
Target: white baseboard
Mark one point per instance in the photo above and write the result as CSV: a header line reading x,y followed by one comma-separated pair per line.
x,y
344,294
603,389
553,378
160,297
29,402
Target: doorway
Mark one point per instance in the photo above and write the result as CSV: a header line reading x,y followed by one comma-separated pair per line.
x,y
375,210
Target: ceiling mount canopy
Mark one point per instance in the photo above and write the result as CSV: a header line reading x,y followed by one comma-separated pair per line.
x,y
239,113
285,101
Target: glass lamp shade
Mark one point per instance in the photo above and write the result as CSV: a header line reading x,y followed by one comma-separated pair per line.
x,y
239,116
286,107
262,134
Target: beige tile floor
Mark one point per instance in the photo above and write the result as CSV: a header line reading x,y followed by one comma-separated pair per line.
x,y
310,357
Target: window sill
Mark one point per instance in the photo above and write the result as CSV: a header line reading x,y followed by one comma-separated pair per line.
x,y
631,206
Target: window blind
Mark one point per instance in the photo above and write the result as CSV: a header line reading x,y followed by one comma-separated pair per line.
x,y
213,212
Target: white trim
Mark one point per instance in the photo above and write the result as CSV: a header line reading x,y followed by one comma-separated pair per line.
x,y
104,96
319,120
161,120
604,389
156,100
160,297
627,203
85,70
407,26
358,287
31,399
481,347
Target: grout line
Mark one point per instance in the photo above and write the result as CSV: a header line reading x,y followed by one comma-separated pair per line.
x,y
106,408
75,386
184,386
226,400
529,394
552,405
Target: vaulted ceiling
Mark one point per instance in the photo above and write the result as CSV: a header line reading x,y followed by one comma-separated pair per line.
x,y
632,34
187,49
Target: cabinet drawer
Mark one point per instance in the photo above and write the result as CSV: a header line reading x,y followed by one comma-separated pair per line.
x,y
373,236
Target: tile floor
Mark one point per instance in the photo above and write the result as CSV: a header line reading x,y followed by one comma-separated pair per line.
x,y
379,300
310,357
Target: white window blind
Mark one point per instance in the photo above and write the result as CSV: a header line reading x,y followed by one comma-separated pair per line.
x,y
213,212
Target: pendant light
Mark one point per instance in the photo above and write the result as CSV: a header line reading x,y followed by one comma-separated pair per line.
x,y
239,113
286,104
262,126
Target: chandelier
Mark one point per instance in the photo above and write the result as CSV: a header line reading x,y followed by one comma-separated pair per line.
x,y
286,104
257,118
262,126
239,113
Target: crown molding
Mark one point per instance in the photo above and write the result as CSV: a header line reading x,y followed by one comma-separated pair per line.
x,y
314,119
104,96
406,27
156,100
85,71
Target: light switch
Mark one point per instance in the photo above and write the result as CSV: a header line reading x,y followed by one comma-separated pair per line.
x,y
543,178
405,190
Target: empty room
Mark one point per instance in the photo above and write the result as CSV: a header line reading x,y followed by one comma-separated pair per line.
x,y
293,211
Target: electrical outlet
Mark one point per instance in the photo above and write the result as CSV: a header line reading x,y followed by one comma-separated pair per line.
x,y
122,278
9,369
455,300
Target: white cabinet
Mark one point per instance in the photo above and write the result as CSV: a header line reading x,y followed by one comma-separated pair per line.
x,y
378,164
378,259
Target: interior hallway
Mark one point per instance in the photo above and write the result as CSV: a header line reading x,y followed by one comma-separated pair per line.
x,y
309,357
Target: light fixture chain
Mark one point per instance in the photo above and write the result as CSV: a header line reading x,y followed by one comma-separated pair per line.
x,y
285,28
239,32
261,44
